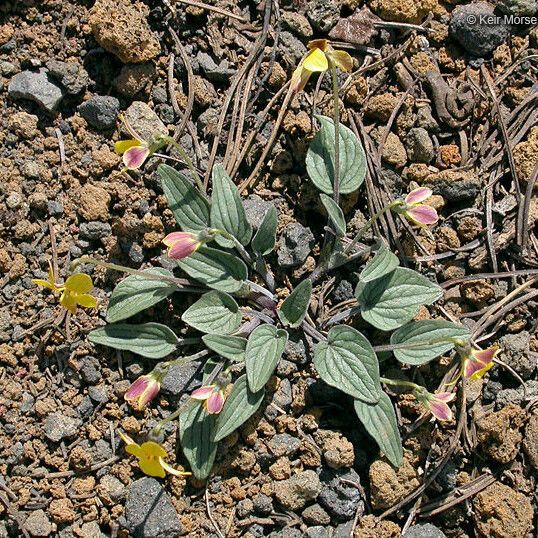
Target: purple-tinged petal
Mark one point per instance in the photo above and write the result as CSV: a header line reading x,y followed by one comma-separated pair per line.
x,y
416,196
134,157
440,410
137,388
474,369
151,392
423,215
203,393
215,403
485,356
444,396
174,237
182,249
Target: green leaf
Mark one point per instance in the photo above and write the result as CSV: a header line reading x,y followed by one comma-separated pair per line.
x,y
240,405
394,299
215,312
230,347
190,208
382,263
380,422
427,340
151,340
294,308
216,269
348,362
320,159
335,214
196,433
136,293
265,238
265,346
227,211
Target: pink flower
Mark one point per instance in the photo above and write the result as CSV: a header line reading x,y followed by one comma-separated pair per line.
x,y
212,396
415,211
436,403
182,244
142,391
478,362
135,152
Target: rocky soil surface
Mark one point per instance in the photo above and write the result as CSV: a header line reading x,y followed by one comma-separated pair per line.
x,y
435,99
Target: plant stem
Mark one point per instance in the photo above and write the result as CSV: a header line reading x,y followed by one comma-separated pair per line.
x,y
367,226
336,106
399,383
182,283
188,162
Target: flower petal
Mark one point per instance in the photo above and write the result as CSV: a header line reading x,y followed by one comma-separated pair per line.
x,y
43,283
342,59
86,300
67,300
203,393
182,249
440,410
485,356
136,388
316,61
123,145
299,78
153,449
171,470
79,283
416,196
172,238
215,403
444,396
134,157
152,468
423,215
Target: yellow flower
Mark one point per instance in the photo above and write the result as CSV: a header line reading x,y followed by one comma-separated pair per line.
x,y
73,293
150,458
317,60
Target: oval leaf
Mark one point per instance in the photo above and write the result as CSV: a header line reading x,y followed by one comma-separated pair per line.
x,y
227,211
215,312
190,208
348,362
426,340
392,300
320,159
265,346
382,263
240,405
294,308
335,214
216,269
136,293
380,422
151,340
265,238
196,433
230,347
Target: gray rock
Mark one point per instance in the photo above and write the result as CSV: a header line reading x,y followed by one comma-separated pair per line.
x,y
144,121
180,378
255,209
100,111
72,76
475,35
518,7
98,394
36,87
215,72
149,512
263,504
296,23
456,191
289,532
59,426
136,253
283,396
54,208
517,396
27,403
165,112
318,532
38,524
515,351
426,120
295,245
295,492
244,508
91,528
344,530
292,48
94,230
343,291
340,499
316,515
323,14
90,371
424,530
85,407
284,444
7,69
419,145
113,488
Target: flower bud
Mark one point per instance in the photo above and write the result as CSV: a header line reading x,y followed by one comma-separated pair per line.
x,y
182,244
142,391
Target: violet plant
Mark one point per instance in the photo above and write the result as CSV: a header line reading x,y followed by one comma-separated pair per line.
x,y
240,329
